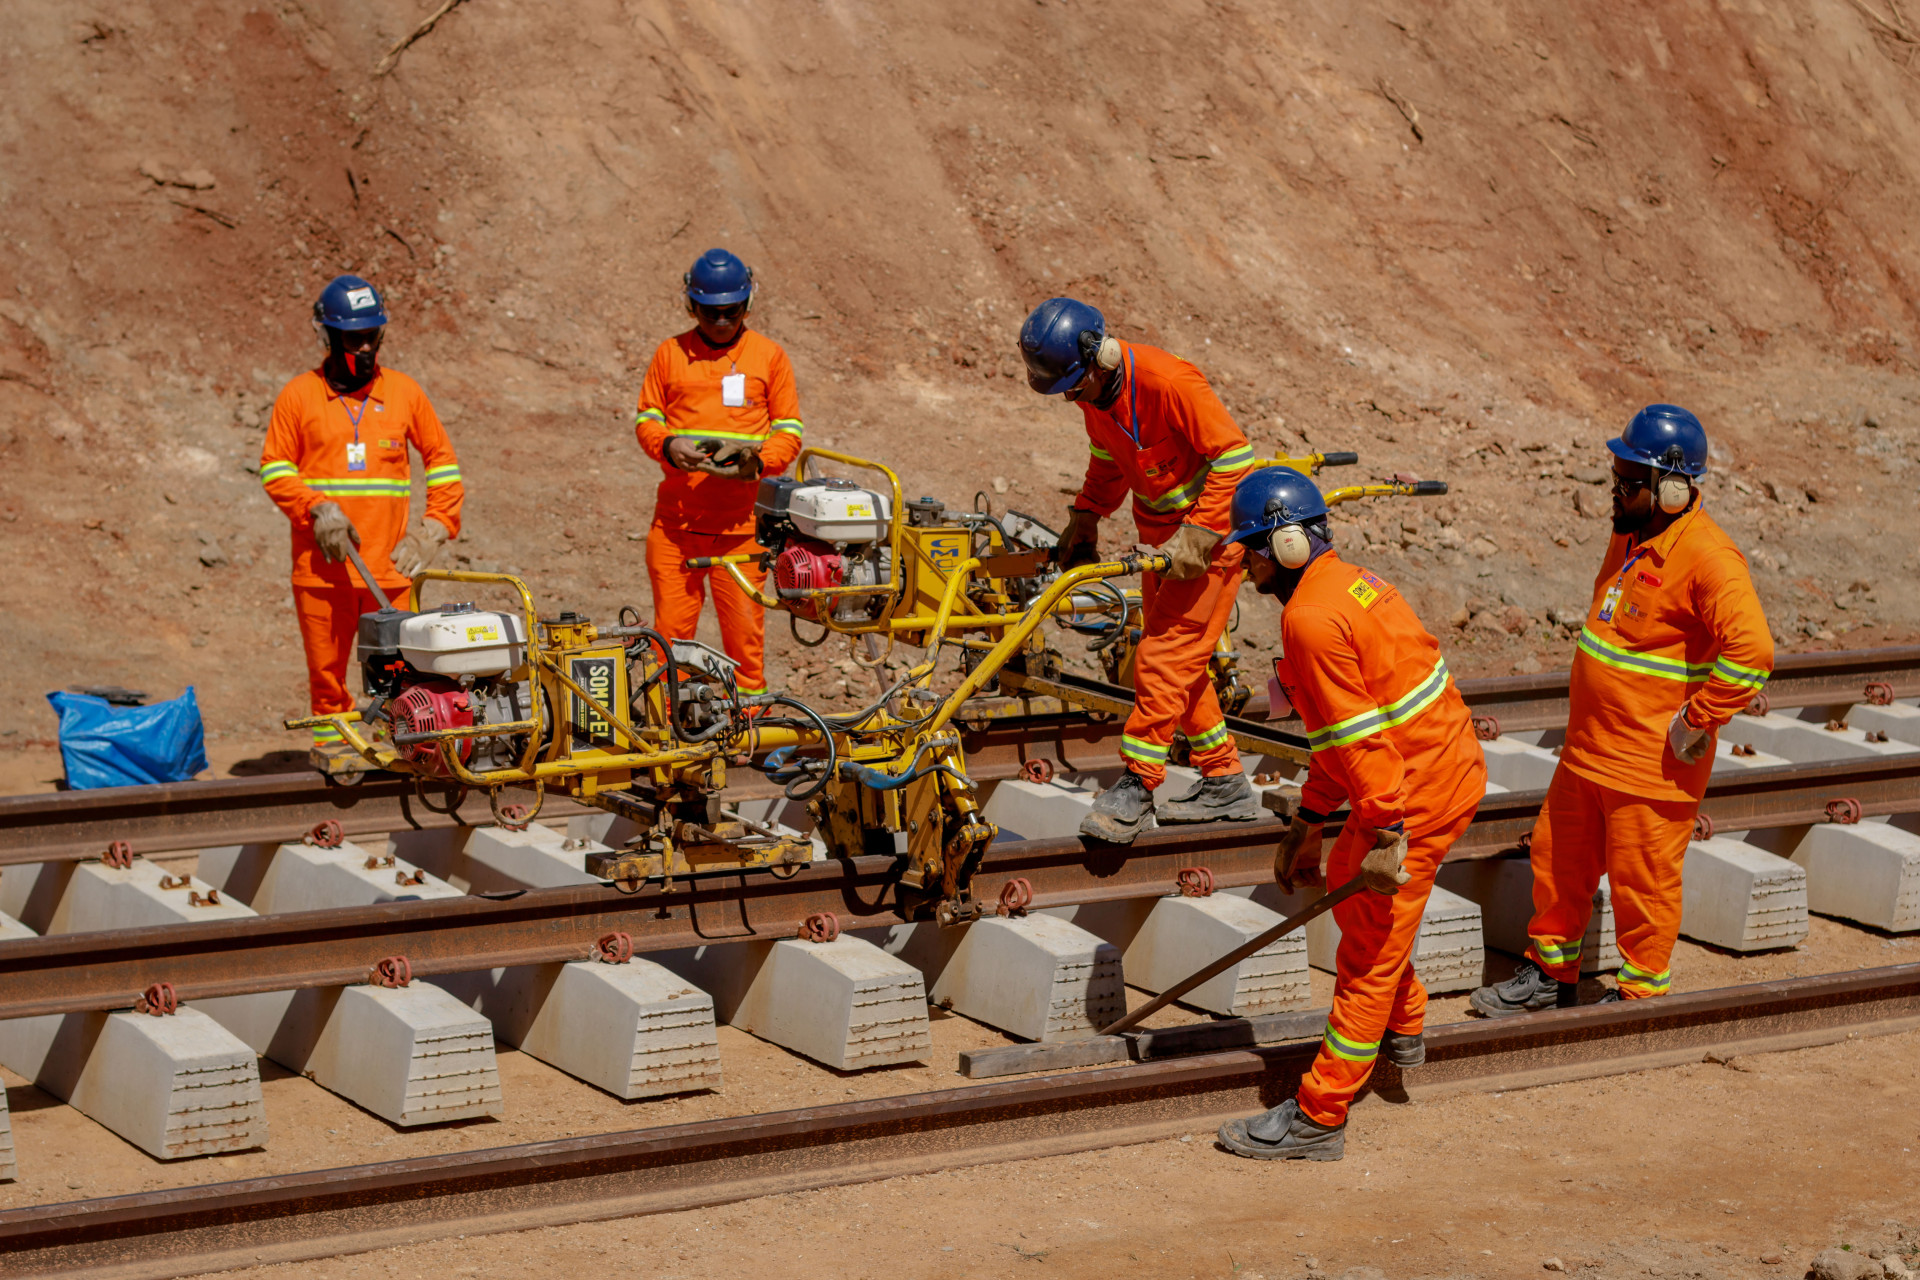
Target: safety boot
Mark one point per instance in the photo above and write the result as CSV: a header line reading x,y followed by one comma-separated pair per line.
x,y
1405,1051
1284,1134
1121,812
1529,989
1229,797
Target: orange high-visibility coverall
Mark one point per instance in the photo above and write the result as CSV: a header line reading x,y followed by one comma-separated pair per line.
x,y
1674,622
1169,441
1392,738
352,450
687,393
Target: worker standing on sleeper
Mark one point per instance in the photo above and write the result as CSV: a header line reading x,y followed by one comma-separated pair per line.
x,y
1392,741
718,410
1675,643
1156,430
335,461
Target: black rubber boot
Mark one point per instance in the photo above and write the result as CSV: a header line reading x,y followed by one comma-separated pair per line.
x,y
1121,812
1529,989
1283,1134
1405,1051
1227,798
1612,996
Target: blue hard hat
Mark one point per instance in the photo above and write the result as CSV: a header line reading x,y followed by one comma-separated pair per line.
x,y
718,279
348,302
1272,498
1055,343
1664,436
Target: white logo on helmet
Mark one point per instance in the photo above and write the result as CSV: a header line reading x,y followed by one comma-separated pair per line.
x,y
361,299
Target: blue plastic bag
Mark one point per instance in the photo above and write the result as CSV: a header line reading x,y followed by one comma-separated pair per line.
x,y
107,746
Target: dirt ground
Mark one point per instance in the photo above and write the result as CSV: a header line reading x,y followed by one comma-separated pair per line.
x,y
1465,239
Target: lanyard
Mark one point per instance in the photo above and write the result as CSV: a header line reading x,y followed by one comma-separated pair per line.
x,y
1133,404
353,416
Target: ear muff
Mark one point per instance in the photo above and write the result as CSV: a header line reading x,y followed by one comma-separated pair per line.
x,y
1290,546
1108,357
1673,493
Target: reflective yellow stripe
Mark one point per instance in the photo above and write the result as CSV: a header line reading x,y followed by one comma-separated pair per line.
x,y
793,425
1099,453
437,476
1211,738
1234,459
1352,1050
1184,496
277,471
369,487
1399,711
754,436
1562,953
1140,749
1734,673
1645,664
655,414
1653,984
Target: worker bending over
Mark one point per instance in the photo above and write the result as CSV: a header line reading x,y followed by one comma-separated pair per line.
x,y
717,411
1392,741
1155,428
335,460
1674,644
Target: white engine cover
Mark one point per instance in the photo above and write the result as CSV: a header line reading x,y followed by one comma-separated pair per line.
x,y
464,643
839,513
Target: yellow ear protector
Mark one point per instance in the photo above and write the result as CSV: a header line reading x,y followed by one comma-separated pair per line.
x,y
1673,492
1290,546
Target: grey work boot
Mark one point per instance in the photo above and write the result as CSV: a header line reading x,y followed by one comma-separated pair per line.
x,y
1529,989
1226,798
1121,812
1405,1051
1283,1134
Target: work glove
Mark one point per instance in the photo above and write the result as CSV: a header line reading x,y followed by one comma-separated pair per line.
x,y
1296,860
1080,541
333,531
1190,549
1688,743
1381,869
734,460
418,550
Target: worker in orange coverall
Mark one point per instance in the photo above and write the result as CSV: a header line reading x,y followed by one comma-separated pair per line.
x,y
1155,429
1675,644
335,460
718,410
1392,740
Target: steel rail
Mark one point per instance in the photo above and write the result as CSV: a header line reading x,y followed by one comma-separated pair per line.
x,y
291,1217
196,815
81,972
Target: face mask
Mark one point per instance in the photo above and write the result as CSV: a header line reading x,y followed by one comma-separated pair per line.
x,y
349,370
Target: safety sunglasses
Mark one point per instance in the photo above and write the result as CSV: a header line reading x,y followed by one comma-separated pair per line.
x,y
1624,485
732,312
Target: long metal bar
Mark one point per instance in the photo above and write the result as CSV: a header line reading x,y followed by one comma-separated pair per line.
x,y
289,1217
70,973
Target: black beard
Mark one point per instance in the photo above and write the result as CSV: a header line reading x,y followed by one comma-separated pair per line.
x,y
1630,523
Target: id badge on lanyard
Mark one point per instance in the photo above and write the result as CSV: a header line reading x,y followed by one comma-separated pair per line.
x,y
733,390
356,448
1611,600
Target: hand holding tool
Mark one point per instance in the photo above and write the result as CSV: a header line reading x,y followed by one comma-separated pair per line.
x,y
1381,870
333,531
